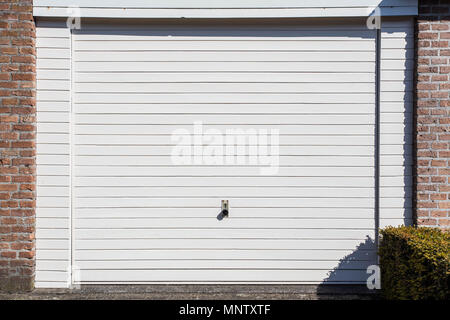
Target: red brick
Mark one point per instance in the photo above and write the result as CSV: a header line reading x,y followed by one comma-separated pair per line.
x,y
27,178
433,115
9,50
427,86
439,77
24,76
438,213
24,127
8,187
8,254
22,144
17,128
444,205
438,179
439,44
26,254
30,187
439,26
439,61
444,69
439,145
427,222
428,69
426,205
438,196
9,84
424,44
438,163
428,35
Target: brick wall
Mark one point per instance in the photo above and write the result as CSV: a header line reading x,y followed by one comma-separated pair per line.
x,y
433,111
17,144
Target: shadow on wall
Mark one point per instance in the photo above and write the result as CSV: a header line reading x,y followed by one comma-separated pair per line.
x,y
409,148
362,257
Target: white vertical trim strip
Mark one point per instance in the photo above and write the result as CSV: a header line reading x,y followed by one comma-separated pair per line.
x,y
71,134
53,155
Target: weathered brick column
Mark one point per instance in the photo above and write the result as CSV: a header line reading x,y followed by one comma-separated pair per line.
x,y
17,144
433,113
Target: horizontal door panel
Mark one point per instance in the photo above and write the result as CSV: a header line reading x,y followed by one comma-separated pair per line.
x,y
53,223
237,33
58,255
53,212
52,84
47,148
52,127
287,77
233,181
217,108
211,254
218,98
259,276
205,87
198,56
53,202
52,74
205,45
49,159
53,138
213,222
56,117
212,202
143,119
239,244
53,180
323,161
54,106
170,129
52,244
219,264
243,150
218,192
55,170
53,64
242,171
53,53
221,66
224,234
52,42
312,213
52,95
210,139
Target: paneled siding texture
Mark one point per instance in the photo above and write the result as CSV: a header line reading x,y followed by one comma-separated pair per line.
x,y
53,154
138,218
433,110
17,145
101,66
396,109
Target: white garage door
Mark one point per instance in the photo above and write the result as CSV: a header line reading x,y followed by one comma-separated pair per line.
x,y
140,218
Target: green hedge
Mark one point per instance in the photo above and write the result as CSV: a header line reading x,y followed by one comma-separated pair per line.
x,y
414,263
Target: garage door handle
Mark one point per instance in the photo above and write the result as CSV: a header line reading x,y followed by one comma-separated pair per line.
x,y
224,211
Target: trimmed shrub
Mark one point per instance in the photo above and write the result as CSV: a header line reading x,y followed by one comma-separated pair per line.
x,y
414,263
